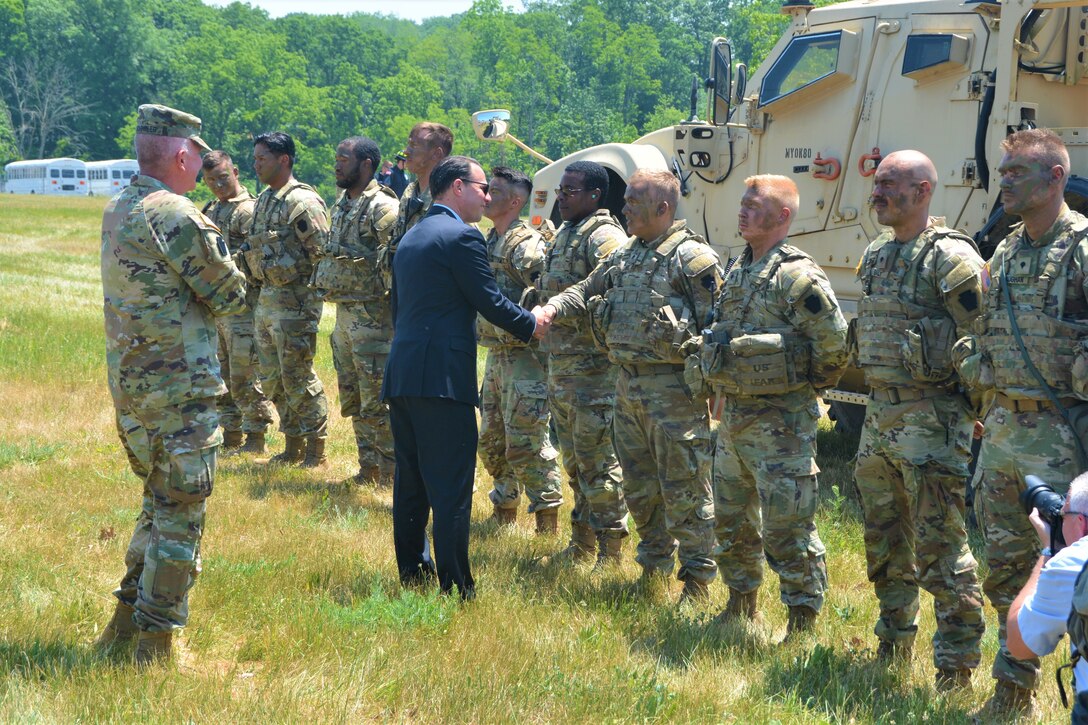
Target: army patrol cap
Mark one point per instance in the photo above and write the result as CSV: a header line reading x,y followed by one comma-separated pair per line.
x,y
155,120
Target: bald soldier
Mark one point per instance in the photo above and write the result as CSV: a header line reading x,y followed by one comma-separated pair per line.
x,y
646,303
166,273
920,291
777,338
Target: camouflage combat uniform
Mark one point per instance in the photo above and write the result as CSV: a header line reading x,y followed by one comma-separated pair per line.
x,y
514,442
287,237
645,302
782,338
165,272
414,205
1025,434
348,275
581,382
915,447
244,407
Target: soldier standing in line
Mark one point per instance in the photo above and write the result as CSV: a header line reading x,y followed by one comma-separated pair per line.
x,y
166,271
581,381
920,292
245,408
428,143
514,443
1029,355
348,274
646,301
778,337
288,236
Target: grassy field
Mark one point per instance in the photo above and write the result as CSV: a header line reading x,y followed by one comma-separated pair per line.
x,y
298,615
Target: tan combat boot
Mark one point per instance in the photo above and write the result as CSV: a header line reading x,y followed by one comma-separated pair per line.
x,y
695,591
294,452
366,475
121,628
1008,703
154,648
654,586
802,619
315,453
609,551
950,680
547,522
889,650
580,550
232,439
741,605
504,517
254,442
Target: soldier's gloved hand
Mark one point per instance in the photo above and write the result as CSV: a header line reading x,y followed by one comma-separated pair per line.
x,y
1042,528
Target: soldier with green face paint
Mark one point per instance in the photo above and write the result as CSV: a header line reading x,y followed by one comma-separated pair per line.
x,y
777,338
348,274
920,291
166,273
1029,361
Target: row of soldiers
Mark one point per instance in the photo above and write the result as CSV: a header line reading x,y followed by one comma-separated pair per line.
x,y
644,327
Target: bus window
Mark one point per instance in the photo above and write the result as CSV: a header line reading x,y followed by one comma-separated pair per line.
x,y
55,173
68,173
81,173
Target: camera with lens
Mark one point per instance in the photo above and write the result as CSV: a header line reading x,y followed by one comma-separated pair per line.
x,y
1038,494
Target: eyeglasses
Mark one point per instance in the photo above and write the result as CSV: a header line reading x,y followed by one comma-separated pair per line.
x,y
1074,513
484,186
566,191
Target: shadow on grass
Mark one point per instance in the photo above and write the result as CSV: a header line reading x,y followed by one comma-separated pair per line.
x,y
35,658
849,687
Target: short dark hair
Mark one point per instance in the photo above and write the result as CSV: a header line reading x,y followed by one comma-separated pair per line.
x,y
517,179
596,177
364,148
214,158
449,170
435,134
277,142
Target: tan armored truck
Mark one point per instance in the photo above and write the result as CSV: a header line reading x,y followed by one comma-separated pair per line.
x,y
844,85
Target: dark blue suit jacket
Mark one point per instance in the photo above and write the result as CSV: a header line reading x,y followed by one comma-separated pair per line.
x,y
441,280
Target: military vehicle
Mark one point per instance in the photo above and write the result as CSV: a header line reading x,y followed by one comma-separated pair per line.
x,y
844,85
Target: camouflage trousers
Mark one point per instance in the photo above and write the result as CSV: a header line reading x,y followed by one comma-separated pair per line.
x,y
244,406
663,443
765,495
1016,445
173,449
581,408
360,345
911,474
286,322
514,441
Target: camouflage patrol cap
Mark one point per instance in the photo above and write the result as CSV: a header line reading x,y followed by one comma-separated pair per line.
x,y
155,120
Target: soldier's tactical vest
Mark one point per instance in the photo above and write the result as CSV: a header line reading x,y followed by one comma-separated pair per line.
x,y
569,260
221,214
500,256
349,270
900,338
750,354
641,318
276,254
413,207
1038,284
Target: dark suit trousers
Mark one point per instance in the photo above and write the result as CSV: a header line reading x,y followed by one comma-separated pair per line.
x,y
434,440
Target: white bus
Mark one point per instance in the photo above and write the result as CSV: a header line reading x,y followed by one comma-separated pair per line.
x,y
47,176
109,177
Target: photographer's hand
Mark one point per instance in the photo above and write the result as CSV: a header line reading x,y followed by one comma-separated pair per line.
x,y
1042,528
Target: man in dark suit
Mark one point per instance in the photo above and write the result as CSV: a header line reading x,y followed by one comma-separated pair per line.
x,y
441,280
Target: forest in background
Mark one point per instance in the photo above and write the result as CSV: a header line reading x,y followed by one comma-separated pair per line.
x,y
573,72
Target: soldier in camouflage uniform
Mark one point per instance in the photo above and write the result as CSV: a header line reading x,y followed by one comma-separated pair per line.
x,y
514,443
581,382
428,143
166,271
920,289
245,409
1040,269
646,301
362,222
288,236
777,338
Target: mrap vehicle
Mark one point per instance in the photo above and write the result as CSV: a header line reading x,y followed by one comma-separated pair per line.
x,y
67,177
845,85
109,177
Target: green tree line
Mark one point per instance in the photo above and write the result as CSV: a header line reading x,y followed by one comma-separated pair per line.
x,y
573,72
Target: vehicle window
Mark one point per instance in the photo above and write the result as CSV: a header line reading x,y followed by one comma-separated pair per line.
x,y
68,173
81,173
928,50
117,173
54,173
806,60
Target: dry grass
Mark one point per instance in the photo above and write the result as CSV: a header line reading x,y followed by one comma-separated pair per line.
x,y
298,614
